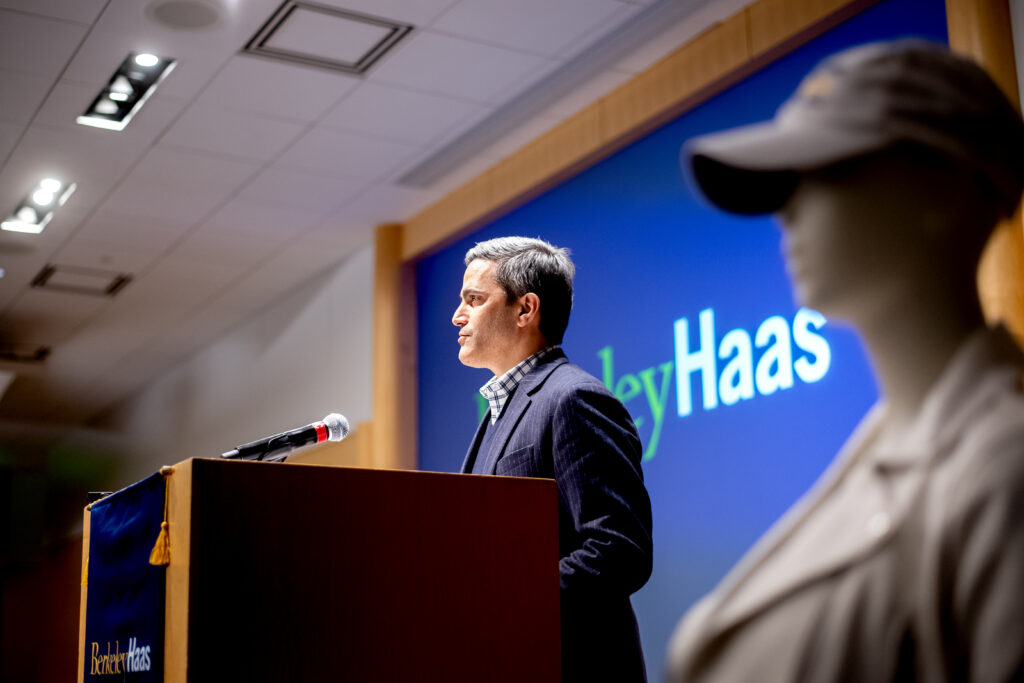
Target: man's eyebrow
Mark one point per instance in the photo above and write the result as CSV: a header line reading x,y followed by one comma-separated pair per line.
x,y
470,290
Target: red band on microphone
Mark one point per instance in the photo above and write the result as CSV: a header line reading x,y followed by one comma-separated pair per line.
x,y
321,432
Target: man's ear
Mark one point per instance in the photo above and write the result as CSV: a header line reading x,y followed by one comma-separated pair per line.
x,y
529,310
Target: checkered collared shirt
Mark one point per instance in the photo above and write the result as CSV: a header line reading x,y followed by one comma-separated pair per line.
x,y
499,389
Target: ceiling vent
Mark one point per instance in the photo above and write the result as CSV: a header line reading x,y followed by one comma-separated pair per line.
x,y
80,280
26,354
326,37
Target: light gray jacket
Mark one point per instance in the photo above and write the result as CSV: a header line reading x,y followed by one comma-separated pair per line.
x,y
905,562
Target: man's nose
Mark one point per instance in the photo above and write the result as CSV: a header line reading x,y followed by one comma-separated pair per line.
x,y
459,318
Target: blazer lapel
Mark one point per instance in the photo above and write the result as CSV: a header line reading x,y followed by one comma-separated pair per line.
x,y
474,446
515,409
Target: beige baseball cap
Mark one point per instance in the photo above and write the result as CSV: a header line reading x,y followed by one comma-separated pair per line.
x,y
859,101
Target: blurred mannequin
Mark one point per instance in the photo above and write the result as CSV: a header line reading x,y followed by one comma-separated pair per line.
x,y
887,172
890,242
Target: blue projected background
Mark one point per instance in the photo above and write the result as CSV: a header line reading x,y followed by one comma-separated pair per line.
x,y
650,258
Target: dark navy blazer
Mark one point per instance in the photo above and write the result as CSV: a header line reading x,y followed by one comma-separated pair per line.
x,y
562,423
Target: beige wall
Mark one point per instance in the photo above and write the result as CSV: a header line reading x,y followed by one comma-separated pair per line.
x,y
306,356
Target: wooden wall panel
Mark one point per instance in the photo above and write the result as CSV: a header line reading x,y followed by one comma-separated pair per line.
x,y
392,433
982,30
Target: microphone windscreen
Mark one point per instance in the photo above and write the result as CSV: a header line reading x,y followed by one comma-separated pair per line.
x,y
337,427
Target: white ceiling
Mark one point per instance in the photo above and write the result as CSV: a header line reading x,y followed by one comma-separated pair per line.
x,y
243,177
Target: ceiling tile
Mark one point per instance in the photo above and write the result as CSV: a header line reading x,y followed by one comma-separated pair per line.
x,y
222,246
336,152
169,204
80,11
126,27
456,67
179,187
288,91
380,204
146,236
9,134
401,114
301,189
213,129
20,95
261,288
243,218
338,243
19,272
37,45
48,318
416,13
193,280
600,29
538,26
307,258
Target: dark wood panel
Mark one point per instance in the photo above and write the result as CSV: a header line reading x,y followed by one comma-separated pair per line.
x,y
304,573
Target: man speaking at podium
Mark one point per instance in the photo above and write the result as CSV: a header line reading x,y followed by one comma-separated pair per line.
x,y
548,418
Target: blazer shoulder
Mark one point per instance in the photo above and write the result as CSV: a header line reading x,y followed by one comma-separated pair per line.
x,y
569,378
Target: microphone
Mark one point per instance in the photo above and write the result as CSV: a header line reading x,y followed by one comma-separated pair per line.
x,y
334,427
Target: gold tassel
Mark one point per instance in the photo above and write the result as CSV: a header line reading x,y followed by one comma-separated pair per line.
x,y
161,554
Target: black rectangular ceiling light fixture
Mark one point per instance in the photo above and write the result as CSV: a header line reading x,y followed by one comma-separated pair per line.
x,y
326,37
126,92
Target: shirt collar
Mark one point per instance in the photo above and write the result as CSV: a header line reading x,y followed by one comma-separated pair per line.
x,y
498,389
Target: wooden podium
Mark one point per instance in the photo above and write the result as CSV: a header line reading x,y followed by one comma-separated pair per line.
x,y
284,572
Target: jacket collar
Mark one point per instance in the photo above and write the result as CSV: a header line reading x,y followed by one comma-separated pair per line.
x,y
514,410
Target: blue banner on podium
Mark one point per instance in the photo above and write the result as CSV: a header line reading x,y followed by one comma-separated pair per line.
x,y
124,621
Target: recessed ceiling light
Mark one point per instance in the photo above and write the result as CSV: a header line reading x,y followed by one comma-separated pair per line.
x,y
42,197
33,214
126,91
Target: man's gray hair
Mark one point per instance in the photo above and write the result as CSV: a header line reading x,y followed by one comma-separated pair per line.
x,y
526,265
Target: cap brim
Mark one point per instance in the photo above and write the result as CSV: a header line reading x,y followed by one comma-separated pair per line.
x,y
754,169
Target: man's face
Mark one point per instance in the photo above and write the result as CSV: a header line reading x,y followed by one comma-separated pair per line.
x,y
486,320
